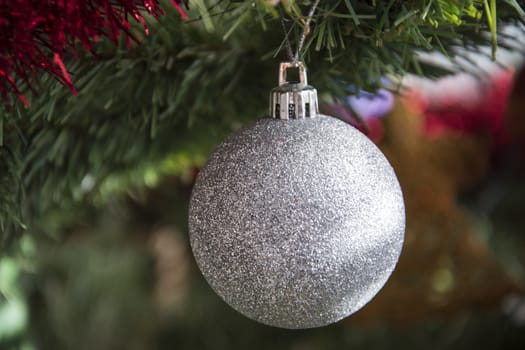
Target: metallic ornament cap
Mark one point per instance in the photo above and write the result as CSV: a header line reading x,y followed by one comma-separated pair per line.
x,y
292,100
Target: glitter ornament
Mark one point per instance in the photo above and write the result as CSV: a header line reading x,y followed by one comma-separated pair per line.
x,y
297,220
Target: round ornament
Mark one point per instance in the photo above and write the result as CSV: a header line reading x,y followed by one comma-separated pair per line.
x,y
297,221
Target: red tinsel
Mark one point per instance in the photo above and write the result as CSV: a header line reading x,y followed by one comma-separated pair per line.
x,y
34,34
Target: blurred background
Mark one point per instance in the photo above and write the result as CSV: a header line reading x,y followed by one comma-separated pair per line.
x,y
110,267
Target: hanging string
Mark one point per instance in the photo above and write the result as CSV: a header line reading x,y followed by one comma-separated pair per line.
x,y
306,30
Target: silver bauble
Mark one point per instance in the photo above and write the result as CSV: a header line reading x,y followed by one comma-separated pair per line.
x,y
297,223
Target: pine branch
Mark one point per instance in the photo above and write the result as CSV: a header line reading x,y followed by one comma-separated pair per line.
x,y
162,106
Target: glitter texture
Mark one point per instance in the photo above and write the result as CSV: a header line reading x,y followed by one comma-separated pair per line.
x,y
297,223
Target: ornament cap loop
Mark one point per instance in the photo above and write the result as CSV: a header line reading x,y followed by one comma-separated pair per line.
x,y
283,68
293,100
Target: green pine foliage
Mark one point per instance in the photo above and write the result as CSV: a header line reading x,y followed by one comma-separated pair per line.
x,y
160,107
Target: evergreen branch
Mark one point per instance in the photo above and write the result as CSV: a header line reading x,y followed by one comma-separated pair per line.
x,y
163,105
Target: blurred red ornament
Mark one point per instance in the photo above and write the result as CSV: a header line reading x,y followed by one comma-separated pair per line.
x,y
34,34
465,105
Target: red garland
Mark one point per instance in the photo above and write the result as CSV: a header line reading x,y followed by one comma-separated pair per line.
x,y
34,34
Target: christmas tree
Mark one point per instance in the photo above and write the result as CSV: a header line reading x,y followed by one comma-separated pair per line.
x,y
111,107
